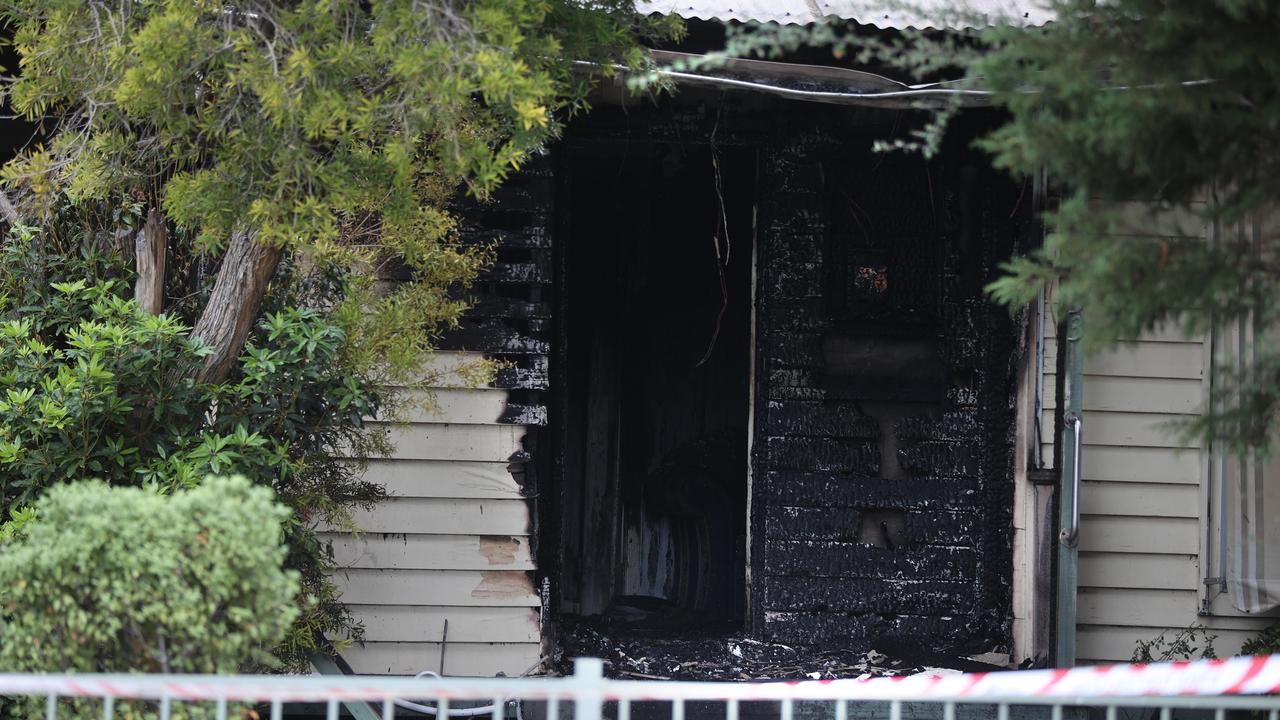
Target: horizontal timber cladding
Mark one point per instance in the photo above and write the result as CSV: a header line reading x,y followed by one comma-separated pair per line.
x,y
452,658
883,454
442,576
410,623
433,552
1140,571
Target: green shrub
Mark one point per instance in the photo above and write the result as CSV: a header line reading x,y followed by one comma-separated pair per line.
x,y
107,579
1266,642
91,387
1194,642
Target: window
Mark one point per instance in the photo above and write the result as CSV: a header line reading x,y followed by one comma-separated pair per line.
x,y
1240,522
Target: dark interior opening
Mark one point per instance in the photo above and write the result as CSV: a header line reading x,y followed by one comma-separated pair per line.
x,y
656,287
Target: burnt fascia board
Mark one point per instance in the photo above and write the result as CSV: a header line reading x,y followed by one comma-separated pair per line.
x,y
818,77
812,83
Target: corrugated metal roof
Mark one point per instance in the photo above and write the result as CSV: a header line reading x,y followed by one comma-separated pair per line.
x,y
926,14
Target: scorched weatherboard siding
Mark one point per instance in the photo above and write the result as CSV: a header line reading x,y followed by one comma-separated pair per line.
x,y
444,570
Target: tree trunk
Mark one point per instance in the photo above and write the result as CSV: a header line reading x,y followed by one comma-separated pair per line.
x,y
149,249
247,268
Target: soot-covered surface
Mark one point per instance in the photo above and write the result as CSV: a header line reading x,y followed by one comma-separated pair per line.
x,y
881,466
884,432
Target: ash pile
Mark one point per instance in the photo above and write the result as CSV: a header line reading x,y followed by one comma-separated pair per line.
x,y
721,658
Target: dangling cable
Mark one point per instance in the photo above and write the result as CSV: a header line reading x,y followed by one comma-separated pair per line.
x,y
722,224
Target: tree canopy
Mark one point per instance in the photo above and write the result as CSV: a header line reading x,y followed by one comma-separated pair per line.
x,y
1172,108
1153,120
272,182
333,130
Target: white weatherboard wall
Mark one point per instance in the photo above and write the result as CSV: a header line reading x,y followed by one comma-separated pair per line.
x,y
1141,503
1144,492
452,543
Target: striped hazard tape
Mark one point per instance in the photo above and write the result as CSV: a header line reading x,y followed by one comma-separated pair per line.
x,y
1232,676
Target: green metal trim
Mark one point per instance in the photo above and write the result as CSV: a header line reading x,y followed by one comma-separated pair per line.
x,y
1068,493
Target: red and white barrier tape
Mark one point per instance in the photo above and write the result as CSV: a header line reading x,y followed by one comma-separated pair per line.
x,y
1233,676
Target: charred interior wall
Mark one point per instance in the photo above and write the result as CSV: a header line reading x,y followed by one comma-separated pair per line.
x,y
884,444
883,401
657,360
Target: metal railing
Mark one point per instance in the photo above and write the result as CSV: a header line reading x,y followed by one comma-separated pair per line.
x,y
1217,689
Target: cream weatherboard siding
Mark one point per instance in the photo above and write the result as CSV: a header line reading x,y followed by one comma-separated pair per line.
x,y
1141,498
450,545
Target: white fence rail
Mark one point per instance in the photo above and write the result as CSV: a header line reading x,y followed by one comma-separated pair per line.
x,y
1218,689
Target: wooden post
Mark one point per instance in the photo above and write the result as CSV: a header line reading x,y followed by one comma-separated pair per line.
x,y
149,253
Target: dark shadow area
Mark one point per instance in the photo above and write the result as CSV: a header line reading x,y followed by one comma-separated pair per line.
x,y
658,276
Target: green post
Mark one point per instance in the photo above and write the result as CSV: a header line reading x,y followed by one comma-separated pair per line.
x,y
1069,492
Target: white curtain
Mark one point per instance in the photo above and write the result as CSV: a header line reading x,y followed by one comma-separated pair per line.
x,y
1253,534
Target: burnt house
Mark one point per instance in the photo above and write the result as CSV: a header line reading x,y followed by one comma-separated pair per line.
x,y
754,394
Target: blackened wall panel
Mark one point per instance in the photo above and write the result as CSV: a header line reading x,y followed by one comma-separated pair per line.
x,y
883,453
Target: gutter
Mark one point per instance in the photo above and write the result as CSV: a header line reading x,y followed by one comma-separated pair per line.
x,y
814,83
830,85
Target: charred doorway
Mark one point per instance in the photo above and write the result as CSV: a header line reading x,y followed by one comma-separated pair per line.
x,y
655,350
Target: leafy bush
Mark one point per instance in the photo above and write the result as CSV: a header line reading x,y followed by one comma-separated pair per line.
x,y
1194,642
92,387
107,579
1266,642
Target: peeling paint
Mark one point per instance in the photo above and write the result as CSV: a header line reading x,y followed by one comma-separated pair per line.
x,y
503,585
499,550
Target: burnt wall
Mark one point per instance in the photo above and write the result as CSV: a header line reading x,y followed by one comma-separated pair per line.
x,y
883,402
883,457
511,317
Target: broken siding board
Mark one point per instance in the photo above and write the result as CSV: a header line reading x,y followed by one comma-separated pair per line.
x,y
447,478
1153,535
1134,570
439,441
445,516
476,588
432,552
1129,429
1140,359
461,659
1174,396
1146,499
416,623
1138,464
